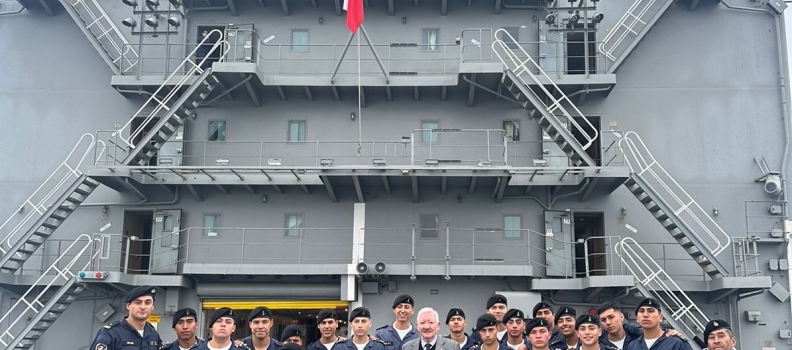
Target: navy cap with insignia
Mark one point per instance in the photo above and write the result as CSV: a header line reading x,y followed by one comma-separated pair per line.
x,y
454,312
186,312
325,314
513,313
496,299
260,312
359,312
565,311
536,322
650,302
485,320
403,299
222,312
290,346
290,331
715,325
541,306
139,292
587,319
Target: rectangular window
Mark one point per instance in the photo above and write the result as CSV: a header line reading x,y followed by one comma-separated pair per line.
x,y
217,130
296,131
429,133
512,130
515,33
512,226
430,39
299,40
430,226
294,225
211,224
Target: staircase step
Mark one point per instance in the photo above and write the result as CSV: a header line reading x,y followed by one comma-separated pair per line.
x,y
74,199
60,215
20,259
51,225
83,191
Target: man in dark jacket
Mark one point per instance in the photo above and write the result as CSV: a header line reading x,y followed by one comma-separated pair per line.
x,y
649,317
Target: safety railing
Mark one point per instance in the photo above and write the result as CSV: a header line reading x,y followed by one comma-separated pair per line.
x,y
634,21
746,257
102,27
536,153
642,163
43,197
182,75
459,146
765,219
654,278
523,66
33,301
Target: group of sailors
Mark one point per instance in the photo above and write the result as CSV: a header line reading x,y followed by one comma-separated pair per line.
x,y
500,328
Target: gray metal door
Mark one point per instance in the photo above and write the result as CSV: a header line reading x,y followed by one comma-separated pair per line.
x,y
170,154
558,243
241,40
165,241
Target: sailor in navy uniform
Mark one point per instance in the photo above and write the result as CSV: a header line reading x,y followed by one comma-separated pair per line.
x,y
456,322
222,325
544,310
565,319
588,330
719,336
487,328
185,323
360,323
401,330
292,334
260,322
616,332
497,305
538,331
649,317
515,329
132,332
327,323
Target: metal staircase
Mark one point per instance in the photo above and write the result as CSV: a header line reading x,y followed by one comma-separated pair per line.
x,y
630,30
673,207
164,113
47,298
652,281
520,68
47,208
103,34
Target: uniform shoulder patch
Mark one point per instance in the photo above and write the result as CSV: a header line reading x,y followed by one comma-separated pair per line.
x,y
101,346
165,346
110,325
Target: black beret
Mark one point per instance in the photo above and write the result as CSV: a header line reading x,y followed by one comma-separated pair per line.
x,y
259,312
359,312
587,319
540,306
565,311
290,346
222,312
139,292
403,299
513,313
187,312
536,322
325,314
485,320
454,312
290,331
650,302
496,299
715,325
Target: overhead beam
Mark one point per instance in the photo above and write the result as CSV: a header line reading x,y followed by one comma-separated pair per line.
x,y
336,95
250,189
280,92
444,7
715,298
194,193
308,93
277,189
362,96
443,183
592,296
285,6
472,187
47,8
589,188
337,4
329,188
502,189
471,90
313,3
305,189
498,6
528,189
358,190
444,93
232,7
693,5
415,189
391,10
223,189
389,93
250,89
386,184
416,95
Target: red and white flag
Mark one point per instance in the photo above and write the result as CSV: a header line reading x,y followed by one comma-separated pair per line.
x,y
354,9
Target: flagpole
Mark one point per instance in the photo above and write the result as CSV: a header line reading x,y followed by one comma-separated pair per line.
x,y
360,97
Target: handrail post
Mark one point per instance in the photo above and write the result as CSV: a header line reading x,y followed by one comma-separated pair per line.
x,y
412,257
448,250
126,253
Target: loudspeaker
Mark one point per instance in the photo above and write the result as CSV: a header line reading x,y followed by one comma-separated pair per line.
x,y
772,184
380,267
361,268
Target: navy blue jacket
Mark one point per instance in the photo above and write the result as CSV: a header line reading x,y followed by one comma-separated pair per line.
x,y
317,345
469,344
390,337
205,346
505,341
175,345
122,335
273,345
477,337
603,346
632,331
559,343
663,343
500,346
555,337
348,344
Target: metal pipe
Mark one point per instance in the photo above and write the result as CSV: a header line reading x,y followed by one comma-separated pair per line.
x,y
146,202
587,90
374,51
583,188
781,43
228,90
743,8
482,87
341,59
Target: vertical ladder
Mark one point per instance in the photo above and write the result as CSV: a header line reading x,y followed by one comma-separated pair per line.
x,y
652,281
47,208
103,34
695,230
168,108
47,298
630,30
520,68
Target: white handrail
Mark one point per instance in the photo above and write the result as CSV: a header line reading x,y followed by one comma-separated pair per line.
x,y
38,208
628,28
61,275
122,52
160,104
519,66
643,164
650,275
